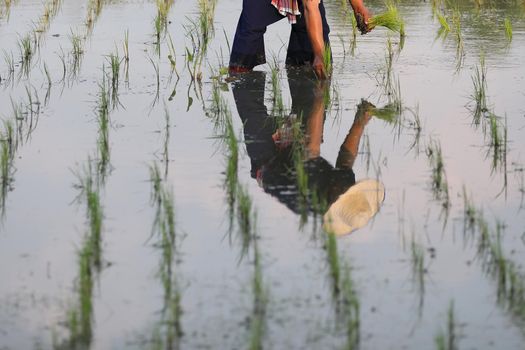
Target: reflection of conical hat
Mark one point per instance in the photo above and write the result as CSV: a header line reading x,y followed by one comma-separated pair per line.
x,y
354,208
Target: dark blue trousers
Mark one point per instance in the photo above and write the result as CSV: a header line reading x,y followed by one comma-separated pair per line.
x,y
248,45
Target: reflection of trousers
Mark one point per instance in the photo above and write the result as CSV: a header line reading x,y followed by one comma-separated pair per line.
x,y
248,44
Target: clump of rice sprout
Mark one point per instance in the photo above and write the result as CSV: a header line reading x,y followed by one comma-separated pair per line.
x,y
479,96
439,183
389,19
508,29
444,28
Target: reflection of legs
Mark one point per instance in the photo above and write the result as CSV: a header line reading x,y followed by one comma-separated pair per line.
x,y
350,146
258,127
308,103
299,47
248,45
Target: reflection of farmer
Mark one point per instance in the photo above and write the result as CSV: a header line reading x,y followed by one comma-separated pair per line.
x,y
308,37
271,150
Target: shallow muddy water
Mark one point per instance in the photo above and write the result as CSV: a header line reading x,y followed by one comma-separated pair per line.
x,y
69,179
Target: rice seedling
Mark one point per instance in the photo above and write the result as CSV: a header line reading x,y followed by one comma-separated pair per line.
x,y
479,95
26,47
125,48
76,53
439,184
508,29
444,28
94,9
103,122
277,97
206,15
166,142
389,19
114,68
447,340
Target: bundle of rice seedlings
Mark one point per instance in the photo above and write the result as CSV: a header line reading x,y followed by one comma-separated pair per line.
x,y
389,19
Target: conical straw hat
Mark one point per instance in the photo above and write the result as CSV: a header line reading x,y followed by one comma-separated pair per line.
x,y
354,208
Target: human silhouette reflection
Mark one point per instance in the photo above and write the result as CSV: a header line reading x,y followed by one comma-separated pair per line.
x,y
270,144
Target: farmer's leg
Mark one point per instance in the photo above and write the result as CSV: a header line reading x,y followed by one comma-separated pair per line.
x,y
248,45
299,47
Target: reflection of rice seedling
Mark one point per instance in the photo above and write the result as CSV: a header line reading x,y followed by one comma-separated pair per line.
x,y
508,29
333,261
496,262
169,329
80,315
10,64
244,217
231,181
447,340
417,258
389,19
350,310
417,127
479,96
172,57
469,213
260,299
62,58
460,53
157,75
7,154
125,45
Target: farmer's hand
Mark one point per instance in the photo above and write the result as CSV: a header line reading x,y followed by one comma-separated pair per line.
x,y
318,66
362,15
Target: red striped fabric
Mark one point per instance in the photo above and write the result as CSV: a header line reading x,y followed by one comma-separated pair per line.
x,y
288,8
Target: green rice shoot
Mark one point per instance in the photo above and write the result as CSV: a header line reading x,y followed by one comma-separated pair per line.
x,y
389,19
508,29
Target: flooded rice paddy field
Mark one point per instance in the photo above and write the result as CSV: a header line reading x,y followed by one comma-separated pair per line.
x,y
141,208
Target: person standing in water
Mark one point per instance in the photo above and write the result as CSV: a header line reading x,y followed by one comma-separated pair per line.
x,y
308,38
